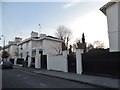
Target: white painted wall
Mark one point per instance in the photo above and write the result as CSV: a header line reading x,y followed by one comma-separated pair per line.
x,y
26,49
113,17
50,46
37,59
119,26
79,61
58,62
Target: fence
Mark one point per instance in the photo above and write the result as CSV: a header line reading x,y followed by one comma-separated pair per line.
x,y
101,63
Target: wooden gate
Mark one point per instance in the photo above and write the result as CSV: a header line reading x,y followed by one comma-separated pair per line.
x,y
72,63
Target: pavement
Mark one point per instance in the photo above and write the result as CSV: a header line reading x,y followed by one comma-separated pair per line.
x,y
105,82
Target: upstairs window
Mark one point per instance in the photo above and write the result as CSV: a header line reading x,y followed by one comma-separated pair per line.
x,y
21,47
27,44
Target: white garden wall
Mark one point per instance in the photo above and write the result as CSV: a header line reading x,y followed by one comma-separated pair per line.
x,y
58,62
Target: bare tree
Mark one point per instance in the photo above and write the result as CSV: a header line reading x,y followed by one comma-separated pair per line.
x,y
64,34
57,48
89,46
98,44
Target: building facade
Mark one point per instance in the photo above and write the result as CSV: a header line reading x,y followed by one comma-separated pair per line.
x,y
112,11
37,45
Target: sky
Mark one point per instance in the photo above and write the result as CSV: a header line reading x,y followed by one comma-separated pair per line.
x,y
18,19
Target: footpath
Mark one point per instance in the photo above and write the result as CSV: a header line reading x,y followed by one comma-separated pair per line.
x,y
105,82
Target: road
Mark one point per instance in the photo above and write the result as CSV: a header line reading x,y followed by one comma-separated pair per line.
x,y
17,78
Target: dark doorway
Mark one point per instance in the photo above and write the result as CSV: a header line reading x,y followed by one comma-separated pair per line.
x,y
72,63
33,62
43,60
12,60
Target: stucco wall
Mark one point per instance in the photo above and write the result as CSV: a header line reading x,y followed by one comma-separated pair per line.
x,y
12,51
50,46
119,26
113,27
58,63
35,44
25,49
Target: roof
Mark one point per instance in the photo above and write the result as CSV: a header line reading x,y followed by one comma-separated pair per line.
x,y
103,9
6,46
52,37
41,38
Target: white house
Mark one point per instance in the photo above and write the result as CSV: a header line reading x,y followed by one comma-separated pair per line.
x,y
112,11
11,48
35,44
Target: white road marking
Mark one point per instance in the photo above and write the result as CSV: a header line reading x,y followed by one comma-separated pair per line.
x,y
43,84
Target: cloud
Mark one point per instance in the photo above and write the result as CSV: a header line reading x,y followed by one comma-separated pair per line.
x,y
70,4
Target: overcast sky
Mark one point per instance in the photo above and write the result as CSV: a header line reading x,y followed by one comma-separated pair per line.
x,y
18,19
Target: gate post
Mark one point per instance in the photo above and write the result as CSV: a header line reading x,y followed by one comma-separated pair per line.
x,y
79,60
65,53
37,59
15,61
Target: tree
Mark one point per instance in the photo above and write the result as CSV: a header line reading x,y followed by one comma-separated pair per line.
x,y
5,54
83,42
57,48
80,43
64,34
70,49
89,47
98,44
83,38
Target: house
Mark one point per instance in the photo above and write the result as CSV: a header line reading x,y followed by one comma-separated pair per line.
x,y
11,48
112,11
36,46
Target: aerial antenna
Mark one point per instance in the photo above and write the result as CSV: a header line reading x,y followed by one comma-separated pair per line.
x,y
39,28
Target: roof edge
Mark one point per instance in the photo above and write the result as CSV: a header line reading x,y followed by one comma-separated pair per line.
x,y
103,9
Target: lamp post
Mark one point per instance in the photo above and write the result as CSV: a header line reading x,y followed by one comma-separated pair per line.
x,y
2,36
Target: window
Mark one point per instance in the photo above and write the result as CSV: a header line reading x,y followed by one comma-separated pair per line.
x,y
21,55
27,43
21,47
27,53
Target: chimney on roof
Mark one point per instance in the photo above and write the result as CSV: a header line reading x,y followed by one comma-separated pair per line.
x,y
34,34
18,40
42,35
10,42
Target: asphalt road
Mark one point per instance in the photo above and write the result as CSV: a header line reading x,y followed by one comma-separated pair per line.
x,y
17,78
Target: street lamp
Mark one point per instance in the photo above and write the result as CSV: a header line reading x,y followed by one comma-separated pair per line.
x,y
2,36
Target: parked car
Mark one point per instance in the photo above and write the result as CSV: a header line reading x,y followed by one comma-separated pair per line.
x,y
6,64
